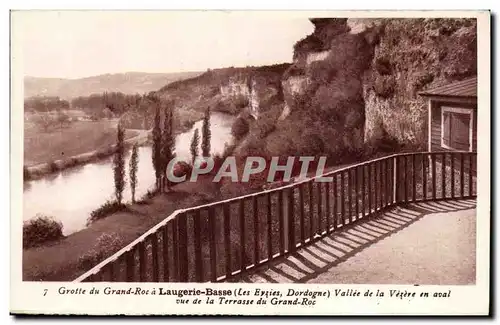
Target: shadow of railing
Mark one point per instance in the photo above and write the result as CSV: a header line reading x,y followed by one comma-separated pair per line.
x,y
315,259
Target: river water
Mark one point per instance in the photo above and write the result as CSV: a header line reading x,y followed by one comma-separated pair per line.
x,y
72,194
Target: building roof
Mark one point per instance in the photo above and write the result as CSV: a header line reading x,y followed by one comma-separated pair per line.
x,y
464,88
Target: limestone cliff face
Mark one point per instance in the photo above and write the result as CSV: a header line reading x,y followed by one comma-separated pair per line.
x,y
362,76
323,89
236,91
352,85
413,55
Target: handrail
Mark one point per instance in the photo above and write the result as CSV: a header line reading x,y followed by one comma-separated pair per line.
x,y
127,248
387,184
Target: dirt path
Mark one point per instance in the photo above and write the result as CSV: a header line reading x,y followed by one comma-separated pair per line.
x,y
428,244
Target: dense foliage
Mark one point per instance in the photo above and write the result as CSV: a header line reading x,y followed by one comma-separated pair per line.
x,y
45,104
41,229
104,210
206,134
167,142
115,102
156,150
119,164
133,166
195,141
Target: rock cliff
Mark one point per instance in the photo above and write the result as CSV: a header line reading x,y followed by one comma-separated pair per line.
x,y
351,89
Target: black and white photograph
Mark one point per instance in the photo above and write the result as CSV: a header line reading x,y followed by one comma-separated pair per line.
x,y
250,149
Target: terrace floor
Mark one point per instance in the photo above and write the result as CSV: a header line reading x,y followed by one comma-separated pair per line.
x,y
427,243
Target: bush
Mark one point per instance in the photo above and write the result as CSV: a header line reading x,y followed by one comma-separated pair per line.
x,y
63,119
383,66
104,210
106,245
182,168
41,229
71,162
53,167
148,196
422,79
240,128
45,121
385,86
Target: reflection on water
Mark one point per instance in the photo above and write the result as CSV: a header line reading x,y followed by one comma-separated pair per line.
x,y
72,194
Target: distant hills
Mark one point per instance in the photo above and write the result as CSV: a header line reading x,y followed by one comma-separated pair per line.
x,y
128,83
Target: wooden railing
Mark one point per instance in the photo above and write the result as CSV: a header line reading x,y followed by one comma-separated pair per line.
x,y
217,241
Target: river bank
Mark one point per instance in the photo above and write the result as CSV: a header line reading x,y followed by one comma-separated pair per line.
x,y
87,186
47,263
139,137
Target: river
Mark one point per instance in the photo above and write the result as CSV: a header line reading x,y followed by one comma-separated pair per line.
x,y
72,194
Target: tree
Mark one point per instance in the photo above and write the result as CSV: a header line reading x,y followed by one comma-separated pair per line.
x,y
206,135
240,128
133,166
45,121
157,147
119,164
63,119
195,141
168,142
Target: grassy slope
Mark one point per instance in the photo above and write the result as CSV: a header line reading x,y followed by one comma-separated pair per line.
x,y
60,261
80,137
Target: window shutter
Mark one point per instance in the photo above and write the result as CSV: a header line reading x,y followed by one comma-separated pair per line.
x,y
446,128
460,135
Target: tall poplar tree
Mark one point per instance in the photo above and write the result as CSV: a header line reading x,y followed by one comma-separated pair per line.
x,y
195,141
119,164
206,134
133,166
167,142
157,146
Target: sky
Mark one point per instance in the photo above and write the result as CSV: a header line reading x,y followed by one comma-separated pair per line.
x,y
76,44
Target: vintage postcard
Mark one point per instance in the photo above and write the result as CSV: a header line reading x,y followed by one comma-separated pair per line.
x,y
250,162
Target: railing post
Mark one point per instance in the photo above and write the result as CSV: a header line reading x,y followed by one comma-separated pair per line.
x,y
433,159
212,243
335,202
129,268
452,175
142,261
175,247
165,253
363,191
243,254
227,239
256,234
285,218
302,214
183,248
154,253
414,177
198,262
461,175
291,221
282,221
327,198
269,228
311,210
443,175
395,180
471,162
